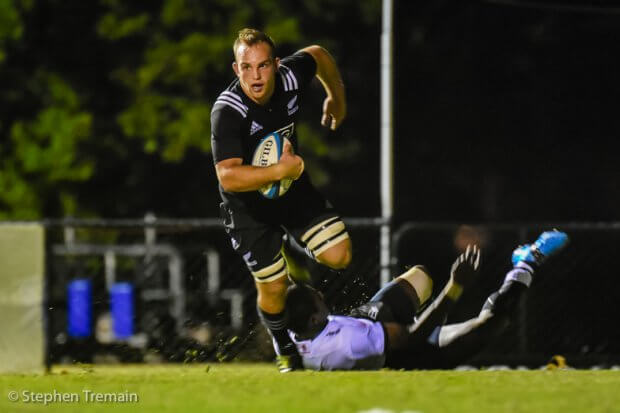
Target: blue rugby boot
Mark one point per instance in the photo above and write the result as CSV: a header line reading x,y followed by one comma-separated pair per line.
x,y
526,259
547,244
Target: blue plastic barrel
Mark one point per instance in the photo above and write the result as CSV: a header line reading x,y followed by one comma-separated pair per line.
x,y
79,305
121,302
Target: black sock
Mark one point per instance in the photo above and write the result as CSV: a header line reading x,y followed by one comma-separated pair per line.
x,y
402,300
505,301
276,325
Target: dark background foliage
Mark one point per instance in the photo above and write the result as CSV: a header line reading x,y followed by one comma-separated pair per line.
x,y
501,113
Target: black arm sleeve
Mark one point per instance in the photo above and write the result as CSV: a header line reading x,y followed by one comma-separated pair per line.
x,y
226,133
303,66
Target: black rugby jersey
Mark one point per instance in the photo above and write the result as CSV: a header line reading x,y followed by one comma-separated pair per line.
x,y
238,124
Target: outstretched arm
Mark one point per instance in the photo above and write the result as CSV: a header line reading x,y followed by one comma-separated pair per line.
x,y
335,104
463,272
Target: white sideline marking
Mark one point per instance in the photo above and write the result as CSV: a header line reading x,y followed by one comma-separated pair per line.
x,y
382,410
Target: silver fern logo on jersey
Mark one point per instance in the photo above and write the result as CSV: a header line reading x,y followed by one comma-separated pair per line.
x,y
292,106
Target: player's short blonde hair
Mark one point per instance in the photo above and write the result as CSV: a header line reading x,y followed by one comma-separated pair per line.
x,y
250,37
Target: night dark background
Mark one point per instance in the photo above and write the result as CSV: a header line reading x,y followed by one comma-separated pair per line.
x,y
506,113
501,113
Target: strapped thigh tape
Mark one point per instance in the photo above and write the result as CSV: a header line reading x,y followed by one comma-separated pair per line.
x,y
324,235
271,272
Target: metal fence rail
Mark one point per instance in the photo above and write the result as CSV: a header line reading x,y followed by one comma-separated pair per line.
x,y
194,296
195,299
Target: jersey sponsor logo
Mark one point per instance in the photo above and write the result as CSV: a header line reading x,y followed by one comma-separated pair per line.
x,y
287,131
292,106
255,127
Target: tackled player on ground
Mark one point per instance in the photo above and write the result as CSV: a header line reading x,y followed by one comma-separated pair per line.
x,y
384,332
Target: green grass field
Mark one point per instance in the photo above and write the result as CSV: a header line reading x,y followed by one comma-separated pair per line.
x,y
260,388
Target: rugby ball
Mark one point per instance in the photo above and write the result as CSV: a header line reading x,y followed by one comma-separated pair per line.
x,y
268,152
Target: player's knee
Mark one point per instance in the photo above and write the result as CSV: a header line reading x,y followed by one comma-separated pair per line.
x,y
275,288
346,256
420,280
272,295
337,257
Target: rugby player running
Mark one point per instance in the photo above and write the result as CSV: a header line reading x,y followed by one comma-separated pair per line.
x,y
267,97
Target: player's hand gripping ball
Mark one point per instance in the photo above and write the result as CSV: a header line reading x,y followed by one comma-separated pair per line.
x,y
268,152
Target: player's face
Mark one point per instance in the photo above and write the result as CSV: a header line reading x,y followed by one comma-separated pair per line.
x,y
256,69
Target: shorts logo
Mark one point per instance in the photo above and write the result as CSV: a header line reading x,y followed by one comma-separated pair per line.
x,y
247,257
235,244
292,106
373,311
